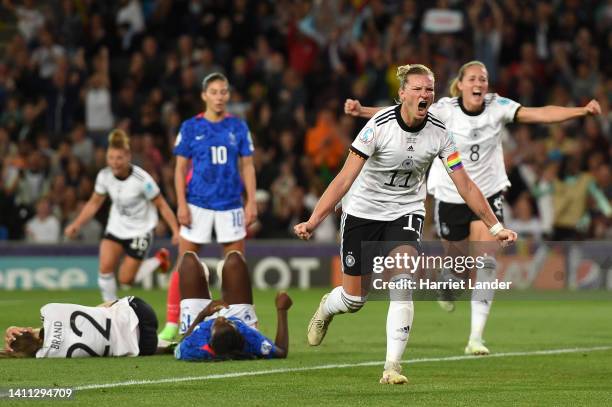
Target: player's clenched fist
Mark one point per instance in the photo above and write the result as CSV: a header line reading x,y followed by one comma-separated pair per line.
x,y
283,301
303,230
352,107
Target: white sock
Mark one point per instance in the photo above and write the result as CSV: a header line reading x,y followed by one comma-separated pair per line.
x,y
339,302
190,308
399,324
482,299
480,313
108,286
147,267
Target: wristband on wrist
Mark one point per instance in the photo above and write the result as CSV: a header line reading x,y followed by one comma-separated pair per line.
x,y
495,229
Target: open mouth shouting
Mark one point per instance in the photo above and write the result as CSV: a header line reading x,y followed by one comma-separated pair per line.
x,y
422,107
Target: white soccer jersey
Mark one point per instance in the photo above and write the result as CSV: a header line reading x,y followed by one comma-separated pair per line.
x,y
479,141
72,331
391,182
132,213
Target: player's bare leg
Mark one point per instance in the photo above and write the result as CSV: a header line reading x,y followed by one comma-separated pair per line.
x,y
193,279
349,297
110,253
128,269
237,246
446,297
236,282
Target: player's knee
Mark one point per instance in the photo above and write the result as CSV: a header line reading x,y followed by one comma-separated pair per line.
x,y
125,279
353,302
189,263
234,260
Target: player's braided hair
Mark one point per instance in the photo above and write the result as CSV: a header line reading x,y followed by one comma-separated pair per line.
x,y
415,69
227,343
118,139
454,86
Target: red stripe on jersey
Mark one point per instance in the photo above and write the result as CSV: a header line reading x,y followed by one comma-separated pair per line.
x,y
208,349
189,173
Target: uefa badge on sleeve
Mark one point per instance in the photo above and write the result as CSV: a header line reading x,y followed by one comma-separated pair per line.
x,y
367,135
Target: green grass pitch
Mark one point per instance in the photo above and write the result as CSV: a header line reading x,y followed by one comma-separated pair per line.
x,y
310,375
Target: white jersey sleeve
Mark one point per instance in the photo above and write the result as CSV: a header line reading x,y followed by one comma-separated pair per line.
x,y
150,189
364,144
72,330
101,186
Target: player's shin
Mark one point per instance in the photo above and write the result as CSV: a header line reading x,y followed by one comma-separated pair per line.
x,y
399,323
108,286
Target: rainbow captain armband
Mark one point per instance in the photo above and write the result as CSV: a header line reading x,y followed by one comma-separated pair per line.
x,y
453,162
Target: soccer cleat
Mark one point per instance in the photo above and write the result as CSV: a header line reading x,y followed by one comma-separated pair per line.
x,y
393,375
163,255
448,306
476,348
317,328
167,335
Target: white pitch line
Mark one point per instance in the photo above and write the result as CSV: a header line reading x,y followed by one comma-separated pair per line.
x,y
334,366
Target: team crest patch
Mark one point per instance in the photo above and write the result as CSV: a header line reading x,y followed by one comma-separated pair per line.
x,y
503,101
232,138
444,229
349,260
367,135
408,164
266,347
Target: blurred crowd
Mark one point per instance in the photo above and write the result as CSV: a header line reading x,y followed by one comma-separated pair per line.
x,y
75,69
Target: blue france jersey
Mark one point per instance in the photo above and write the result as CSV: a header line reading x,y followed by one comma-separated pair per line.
x,y
214,149
195,346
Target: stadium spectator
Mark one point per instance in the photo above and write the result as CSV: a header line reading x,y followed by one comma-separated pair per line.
x,y
44,227
549,53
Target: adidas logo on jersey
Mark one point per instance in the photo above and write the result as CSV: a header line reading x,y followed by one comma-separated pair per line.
x,y
410,148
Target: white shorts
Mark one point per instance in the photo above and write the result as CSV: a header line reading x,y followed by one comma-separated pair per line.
x,y
190,308
228,225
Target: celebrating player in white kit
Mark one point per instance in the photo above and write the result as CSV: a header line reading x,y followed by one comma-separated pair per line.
x,y
385,172
126,327
476,119
136,198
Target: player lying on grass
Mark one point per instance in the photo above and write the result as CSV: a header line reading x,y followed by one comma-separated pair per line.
x,y
226,329
125,327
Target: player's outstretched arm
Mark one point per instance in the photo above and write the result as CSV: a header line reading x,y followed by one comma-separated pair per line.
x,y
332,195
88,212
353,107
556,114
283,303
477,202
164,209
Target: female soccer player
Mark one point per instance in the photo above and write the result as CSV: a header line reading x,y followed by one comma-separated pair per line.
x,y
213,152
476,119
225,329
385,172
133,215
126,327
